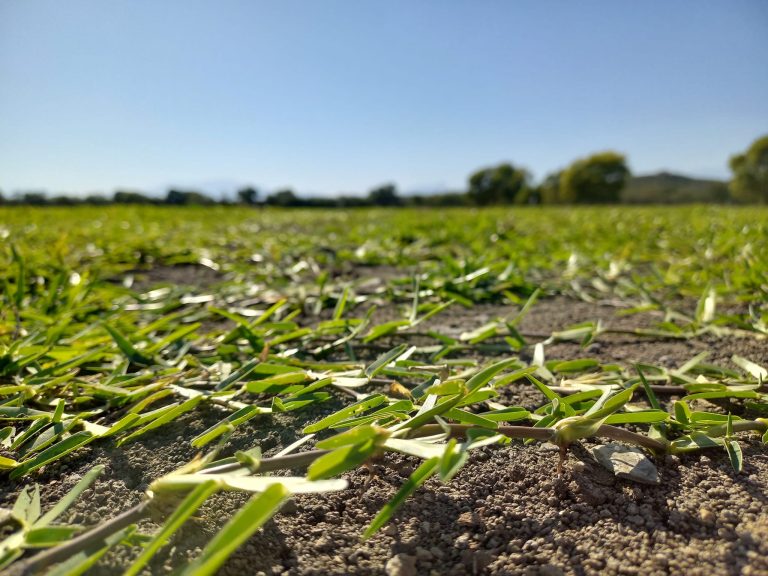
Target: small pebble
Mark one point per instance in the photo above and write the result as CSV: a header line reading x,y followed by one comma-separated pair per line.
x,y
401,565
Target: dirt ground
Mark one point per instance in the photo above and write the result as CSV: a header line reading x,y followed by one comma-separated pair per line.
x,y
506,512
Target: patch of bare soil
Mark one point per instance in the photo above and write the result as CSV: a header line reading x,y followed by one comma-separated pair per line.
x,y
506,512
195,275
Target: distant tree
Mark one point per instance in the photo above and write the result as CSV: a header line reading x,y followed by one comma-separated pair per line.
x,y
184,198
449,199
175,197
385,195
534,196
2,198
285,197
199,198
502,184
549,189
597,179
63,200
719,193
95,200
320,202
346,201
248,196
126,197
750,173
441,199
33,198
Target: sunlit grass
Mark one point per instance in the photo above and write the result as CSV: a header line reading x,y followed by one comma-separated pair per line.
x,y
298,308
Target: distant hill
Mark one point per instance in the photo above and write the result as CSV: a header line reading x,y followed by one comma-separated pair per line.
x,y
666,188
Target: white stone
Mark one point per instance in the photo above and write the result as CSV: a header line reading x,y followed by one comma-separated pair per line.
x,y
626,462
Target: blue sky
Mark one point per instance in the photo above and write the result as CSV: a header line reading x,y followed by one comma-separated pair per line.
x,y
337,96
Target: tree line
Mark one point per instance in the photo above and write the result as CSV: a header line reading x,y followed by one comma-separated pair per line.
x,y
596,179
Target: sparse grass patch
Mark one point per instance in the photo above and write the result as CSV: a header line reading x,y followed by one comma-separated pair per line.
x,y
292,323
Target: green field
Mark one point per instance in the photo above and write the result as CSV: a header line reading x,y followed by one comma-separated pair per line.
x,y
664,252
226,345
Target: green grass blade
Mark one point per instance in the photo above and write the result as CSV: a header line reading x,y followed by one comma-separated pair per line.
x,y
58,450
26,508
734,454
236,418
419,476
340,460
649,393
47,536
484,376
641,417
382,361
721,394
238,374
469,418
415,303
452,460
84,561
268,313
384,330
164,418
543,388
62,505
276,384
341,305
432,312
364,404
612,403
357,435
241,526
526,308
188,506
425,416
173,337
576,365
125,346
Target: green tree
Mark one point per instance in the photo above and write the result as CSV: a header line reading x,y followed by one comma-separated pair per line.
x,y
96,200
502,184
63,200
285,197
549,189
750,173
183,198
345,201
597,179
385,195
34,198
127,197
248,196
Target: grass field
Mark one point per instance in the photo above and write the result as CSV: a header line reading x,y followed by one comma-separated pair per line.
x,y
435,383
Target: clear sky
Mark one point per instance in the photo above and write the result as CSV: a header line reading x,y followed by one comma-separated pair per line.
x,y
332,96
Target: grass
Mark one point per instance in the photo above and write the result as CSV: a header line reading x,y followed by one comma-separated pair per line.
x,y
100,343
